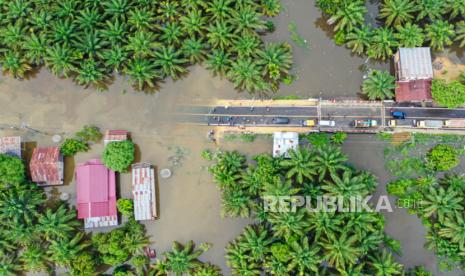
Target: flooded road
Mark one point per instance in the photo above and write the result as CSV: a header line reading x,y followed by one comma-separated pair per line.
x,y
189,200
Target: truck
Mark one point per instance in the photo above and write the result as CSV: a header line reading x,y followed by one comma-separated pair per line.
x,y
402,123
430,123
455,123
365,123
309,123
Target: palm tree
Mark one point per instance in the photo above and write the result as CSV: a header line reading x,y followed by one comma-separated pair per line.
x,y
276,55
13,63
278,187
207,270
194,49
88,18
193,23
255,240
13,35
324,223
220,35
440,33
246,75
89,43
457,8
64,251
142,44
301,165
382,44
409,35
168,10
289,225
141,18
359,39
454,229
60,60
8,265
251,181
21,203
170,61
63,31
271,7
383,264
17,9
114,31
218,62
142,72
305,259
329,160
340,251
397,12
460,31
276,267
347,186
90,73
236,202
34,258
35,47
18,233
115,8
183,258
363,223
433,9
246,19
171,33
219,9
440,203
246,45
379,85
114,58
58,224
349,15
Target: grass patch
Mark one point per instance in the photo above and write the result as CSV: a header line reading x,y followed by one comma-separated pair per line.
x,y
296,37
245,137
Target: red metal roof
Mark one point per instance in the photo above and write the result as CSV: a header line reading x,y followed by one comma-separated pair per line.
x,y
96,191
413,91
46,166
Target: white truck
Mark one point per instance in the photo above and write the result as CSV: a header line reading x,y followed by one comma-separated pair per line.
x,y
365,123
430,123
455,123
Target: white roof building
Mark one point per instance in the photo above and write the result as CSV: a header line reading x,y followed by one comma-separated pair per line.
x,y
144,192
11,145
413,64
283,142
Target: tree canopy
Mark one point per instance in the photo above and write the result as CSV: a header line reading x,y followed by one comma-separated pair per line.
x,y
12,170
118,155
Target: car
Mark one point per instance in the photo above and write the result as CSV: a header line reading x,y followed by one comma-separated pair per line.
x,y
309,123
398,115
281,120
327,123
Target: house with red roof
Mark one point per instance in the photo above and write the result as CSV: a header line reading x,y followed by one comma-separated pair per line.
x,y
46,166
144,192
414,74
11,145
96,194
114,136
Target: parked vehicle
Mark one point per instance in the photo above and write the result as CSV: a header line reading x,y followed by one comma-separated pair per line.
x,y
327,123
398,115
430,123
455,123
281,120
365,123
402,123
309,123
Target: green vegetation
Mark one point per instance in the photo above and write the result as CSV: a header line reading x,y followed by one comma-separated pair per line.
x,y
443,157
12,170
125,207
245,137
288,97
448,94
296,37
118,155
146,41
72,146
302,242
403,23
338,138
379,85
89,134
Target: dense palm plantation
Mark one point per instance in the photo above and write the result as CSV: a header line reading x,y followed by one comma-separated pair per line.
x,y
402,23
147,41
302,242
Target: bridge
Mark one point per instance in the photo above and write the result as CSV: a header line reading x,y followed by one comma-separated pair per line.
x,y
256,115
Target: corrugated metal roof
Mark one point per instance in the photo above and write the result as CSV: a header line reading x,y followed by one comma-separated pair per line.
x,y
283,142
144,192
11,145
413,91
46,166
115,135
414,63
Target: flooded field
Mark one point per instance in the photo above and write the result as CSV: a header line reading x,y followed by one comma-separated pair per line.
x,y
189,201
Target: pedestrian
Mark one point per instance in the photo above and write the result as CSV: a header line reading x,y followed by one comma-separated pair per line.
x,y
251,108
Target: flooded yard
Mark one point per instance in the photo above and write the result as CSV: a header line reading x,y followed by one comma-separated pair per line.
x,y
189,201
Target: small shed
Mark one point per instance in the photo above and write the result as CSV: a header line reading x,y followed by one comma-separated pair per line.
x,y
283,142
144,192
96,194
11,146
47,166
414,73
114,135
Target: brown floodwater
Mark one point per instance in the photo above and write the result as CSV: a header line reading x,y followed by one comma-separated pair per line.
x,y
189,201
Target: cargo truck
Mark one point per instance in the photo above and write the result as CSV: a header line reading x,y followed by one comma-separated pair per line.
x,y
430,123
402,123
365,123
455,123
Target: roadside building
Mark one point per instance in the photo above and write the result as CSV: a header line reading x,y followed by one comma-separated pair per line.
x,y
414,74
11,145
47,166
144,192
115,135
283,142
96,194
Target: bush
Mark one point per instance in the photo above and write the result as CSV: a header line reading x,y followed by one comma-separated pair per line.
x,y
89,134
72,146
125,207
118,155
12,170
450,95
443,157
339,137
399,187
